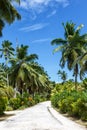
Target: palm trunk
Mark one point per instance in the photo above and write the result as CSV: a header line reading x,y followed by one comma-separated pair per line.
x,y
6,62
76,75
76,81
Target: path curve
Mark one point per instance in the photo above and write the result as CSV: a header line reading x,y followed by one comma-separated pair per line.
x,y
39,117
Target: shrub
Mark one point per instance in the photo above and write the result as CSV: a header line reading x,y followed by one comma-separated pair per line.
x,y
38,98
31,101
70,101
9,91
55,99
9,108
15,103
3,103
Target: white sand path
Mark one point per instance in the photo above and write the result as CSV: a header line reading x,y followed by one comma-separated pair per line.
x,y
39,117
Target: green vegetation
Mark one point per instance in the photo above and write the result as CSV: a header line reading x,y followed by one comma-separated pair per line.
x,y
23,82
69,100
71,97
72,47
63,75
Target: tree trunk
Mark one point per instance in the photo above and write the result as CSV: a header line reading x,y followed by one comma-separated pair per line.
x,y
76,81
76,75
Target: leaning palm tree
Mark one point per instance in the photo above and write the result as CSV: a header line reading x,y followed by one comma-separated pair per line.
x,y
71,47
7,13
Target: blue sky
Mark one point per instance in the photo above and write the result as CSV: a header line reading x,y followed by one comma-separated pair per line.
x,y
41,22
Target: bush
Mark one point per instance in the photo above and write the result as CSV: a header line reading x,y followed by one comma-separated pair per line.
x,y
9,108
15,103
9,91
3,103
70,101
39,98
55,99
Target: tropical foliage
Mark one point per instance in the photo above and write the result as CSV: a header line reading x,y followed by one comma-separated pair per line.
x,y
26,74
30,81
73,46
65,98
24,82
68,97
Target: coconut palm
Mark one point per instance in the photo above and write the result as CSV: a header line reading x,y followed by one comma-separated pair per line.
x,y
63,75
71,47
7,13
82,60
25,74
7,51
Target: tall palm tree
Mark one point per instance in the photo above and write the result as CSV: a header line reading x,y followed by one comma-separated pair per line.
x,y
7,13
24,72
71,47
7,51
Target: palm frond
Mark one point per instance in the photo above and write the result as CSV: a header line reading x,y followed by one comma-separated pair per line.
x,y
58,41
31,57
59,48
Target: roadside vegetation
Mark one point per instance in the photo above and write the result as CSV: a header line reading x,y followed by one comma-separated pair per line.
x,y
70,96
24,82
70,101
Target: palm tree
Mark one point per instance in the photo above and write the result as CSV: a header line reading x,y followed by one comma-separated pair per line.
x,y
63,75
7,51
82,60
24,72
7,13
71,47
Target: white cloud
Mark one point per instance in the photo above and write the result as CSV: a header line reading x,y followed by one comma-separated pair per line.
x,y
52,13
65,3
35,7
40,4
33,27
41,40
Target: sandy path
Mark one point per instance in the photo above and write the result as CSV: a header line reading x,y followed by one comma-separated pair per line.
x,y
38,117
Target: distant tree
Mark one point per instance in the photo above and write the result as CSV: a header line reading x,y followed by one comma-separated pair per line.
x,y
63,75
